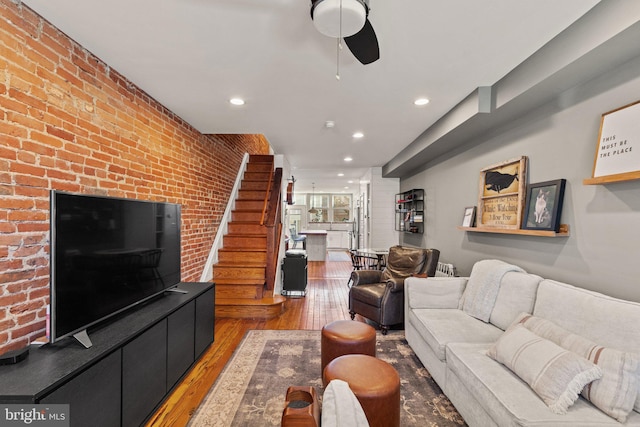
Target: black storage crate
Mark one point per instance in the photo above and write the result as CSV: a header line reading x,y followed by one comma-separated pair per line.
x,y
294,273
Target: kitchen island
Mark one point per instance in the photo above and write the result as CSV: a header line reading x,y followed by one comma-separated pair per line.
x,y
316,244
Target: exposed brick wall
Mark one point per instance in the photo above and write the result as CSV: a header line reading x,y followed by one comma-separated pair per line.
x,y
70,122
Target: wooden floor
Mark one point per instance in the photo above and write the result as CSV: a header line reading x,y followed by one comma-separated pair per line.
x,y
326,301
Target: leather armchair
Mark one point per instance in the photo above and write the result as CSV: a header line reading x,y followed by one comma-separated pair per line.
x,y
379,295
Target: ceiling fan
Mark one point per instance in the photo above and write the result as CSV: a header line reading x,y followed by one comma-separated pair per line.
x,y
347,19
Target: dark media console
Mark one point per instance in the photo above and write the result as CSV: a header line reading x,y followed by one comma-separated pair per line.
x,y
135,362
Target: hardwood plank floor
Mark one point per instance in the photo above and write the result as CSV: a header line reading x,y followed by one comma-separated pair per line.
x,y
326,301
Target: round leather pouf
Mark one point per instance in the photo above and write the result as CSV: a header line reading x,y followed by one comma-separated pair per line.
x,y
346,337
375,383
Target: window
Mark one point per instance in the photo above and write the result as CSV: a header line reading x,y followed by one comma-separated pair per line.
x,y
341,207
329,207
319,208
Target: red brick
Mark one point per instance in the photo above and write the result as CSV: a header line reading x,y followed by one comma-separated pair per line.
x,y
27,157
60,133
46,139
113,140
31,181
13,299
10,129
16,203
27,169
20,190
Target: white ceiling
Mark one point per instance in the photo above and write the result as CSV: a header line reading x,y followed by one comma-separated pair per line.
x,y
193,55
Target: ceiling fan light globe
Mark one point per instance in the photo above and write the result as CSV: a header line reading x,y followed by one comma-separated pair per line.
x,y
326,17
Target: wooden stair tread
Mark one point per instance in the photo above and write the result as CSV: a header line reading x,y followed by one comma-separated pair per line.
x,y
243,249
240,263
275,300
239,282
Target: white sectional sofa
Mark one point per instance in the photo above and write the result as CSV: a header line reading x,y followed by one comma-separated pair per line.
x,y
452,344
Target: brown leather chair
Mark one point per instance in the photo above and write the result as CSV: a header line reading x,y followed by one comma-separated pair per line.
x,y
379,295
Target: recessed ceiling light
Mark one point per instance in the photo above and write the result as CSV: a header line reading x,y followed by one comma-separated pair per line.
x,y
346,188
348,159
421,101
350,181
358,135
237,101
340,174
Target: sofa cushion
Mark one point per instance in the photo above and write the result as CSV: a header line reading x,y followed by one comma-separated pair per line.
x,y
591,314
510,401
438,327
555,374
370,293
517,294
434,292
483,286
615,393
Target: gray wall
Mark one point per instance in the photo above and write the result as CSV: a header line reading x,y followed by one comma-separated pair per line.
x,y
559,139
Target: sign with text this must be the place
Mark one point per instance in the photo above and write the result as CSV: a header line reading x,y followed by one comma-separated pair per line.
x,y
618,149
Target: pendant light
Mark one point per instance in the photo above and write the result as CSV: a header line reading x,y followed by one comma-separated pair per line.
x,y
313,192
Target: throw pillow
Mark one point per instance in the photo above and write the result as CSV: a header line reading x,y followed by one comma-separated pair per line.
x,y
340,407
555,374
616,392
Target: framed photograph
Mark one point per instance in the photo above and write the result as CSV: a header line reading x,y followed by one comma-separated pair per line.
x,y
469,217
501,194
544,205
618,148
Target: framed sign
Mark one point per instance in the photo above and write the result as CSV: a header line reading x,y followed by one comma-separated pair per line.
x,y
544,205
501,194
469,216
618,150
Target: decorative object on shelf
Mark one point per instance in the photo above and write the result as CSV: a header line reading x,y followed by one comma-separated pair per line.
x,y
544,205
501,194
615,158
469,216
410,211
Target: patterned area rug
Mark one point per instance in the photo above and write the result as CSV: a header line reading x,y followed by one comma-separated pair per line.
x,y
251,389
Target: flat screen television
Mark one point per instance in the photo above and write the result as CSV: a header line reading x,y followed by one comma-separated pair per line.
x,y
107,255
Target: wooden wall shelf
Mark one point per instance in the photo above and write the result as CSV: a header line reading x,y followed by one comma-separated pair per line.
x,y
629,176
564,231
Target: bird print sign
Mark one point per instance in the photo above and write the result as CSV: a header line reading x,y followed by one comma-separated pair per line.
x,y
501,194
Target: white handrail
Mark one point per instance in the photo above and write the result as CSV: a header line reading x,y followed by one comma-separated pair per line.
x,y
207,272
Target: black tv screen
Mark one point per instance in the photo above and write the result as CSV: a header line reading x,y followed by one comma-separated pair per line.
x,y
107,255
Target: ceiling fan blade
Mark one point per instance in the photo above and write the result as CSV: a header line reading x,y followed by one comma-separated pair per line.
x,y
364,44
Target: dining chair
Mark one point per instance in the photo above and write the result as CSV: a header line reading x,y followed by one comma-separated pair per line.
x,y
295,237
361,262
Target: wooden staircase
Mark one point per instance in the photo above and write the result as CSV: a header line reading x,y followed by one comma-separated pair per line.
x,y
242,272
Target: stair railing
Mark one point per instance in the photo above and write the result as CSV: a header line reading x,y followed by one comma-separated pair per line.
x,y
272,220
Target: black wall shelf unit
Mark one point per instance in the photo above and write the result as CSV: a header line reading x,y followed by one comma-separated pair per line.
x,y
410,211
135,362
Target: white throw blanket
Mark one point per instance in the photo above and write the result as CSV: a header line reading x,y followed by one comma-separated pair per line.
x,y
483,286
